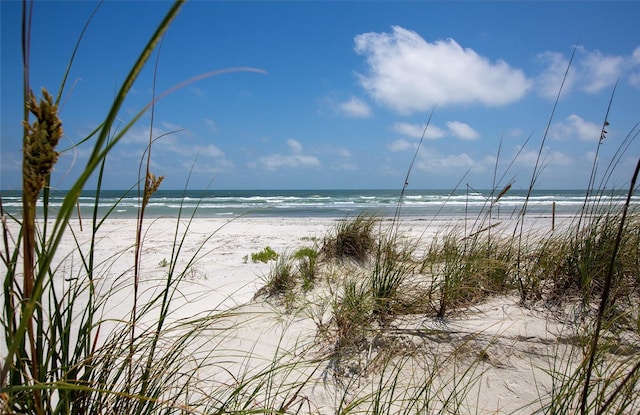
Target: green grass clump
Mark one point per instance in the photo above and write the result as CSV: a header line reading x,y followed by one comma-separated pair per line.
x,y
389,272
307,258
267,254
580,261
281,278
352,239
469,270
352,317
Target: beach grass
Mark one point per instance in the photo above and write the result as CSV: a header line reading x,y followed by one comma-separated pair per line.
x,y
369,321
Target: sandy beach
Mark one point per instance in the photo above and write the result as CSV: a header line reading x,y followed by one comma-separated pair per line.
x,y
503,352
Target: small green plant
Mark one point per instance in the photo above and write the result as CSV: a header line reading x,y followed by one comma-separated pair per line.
x,y
281,278
307,260
389,272
163,263
266,255
352,317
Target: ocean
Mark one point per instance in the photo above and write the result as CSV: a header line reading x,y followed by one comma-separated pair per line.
x,y
324,203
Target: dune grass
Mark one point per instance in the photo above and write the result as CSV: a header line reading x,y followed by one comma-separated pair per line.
x,y
70,350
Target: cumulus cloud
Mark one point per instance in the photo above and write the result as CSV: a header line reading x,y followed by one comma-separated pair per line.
x,y
433,162
355,107
296,158
208,151
591,71
462,130
402,145
528,158
408,73
550,79
416,130
575,126
456,129
600,71
294,146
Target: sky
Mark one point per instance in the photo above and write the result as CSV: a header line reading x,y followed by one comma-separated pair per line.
x,y
336,95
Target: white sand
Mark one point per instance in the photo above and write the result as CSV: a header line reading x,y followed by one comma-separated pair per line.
x,y
516,346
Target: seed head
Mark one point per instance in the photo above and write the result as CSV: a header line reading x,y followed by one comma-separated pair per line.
x,y
41,138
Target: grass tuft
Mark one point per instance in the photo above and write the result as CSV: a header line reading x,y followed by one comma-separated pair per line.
x,y
352,239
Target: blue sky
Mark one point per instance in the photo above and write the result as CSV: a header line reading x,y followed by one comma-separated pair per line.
x,y
346,93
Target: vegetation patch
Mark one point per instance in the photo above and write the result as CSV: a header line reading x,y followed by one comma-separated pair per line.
x,y
267,254
352,239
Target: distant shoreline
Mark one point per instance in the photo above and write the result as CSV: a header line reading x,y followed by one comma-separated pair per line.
x,y
417,204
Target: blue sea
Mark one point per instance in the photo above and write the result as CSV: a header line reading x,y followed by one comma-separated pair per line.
x,y
323,203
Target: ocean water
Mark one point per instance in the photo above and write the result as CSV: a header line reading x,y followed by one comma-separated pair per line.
x,y
324,203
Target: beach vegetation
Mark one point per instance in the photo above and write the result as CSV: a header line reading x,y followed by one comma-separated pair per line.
x,y
265,255
389,273
468,270
307,258
280,279
353,238
352,311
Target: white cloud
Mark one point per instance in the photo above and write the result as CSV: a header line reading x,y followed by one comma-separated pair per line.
x,y
295,159
462,130
549,81
294,146
600,71
214,167
276,161
548,157
209,151
138,135
457,129
174,151
407,73
433,162
575,127
402,145
591,71
514,132
356,108
416,130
